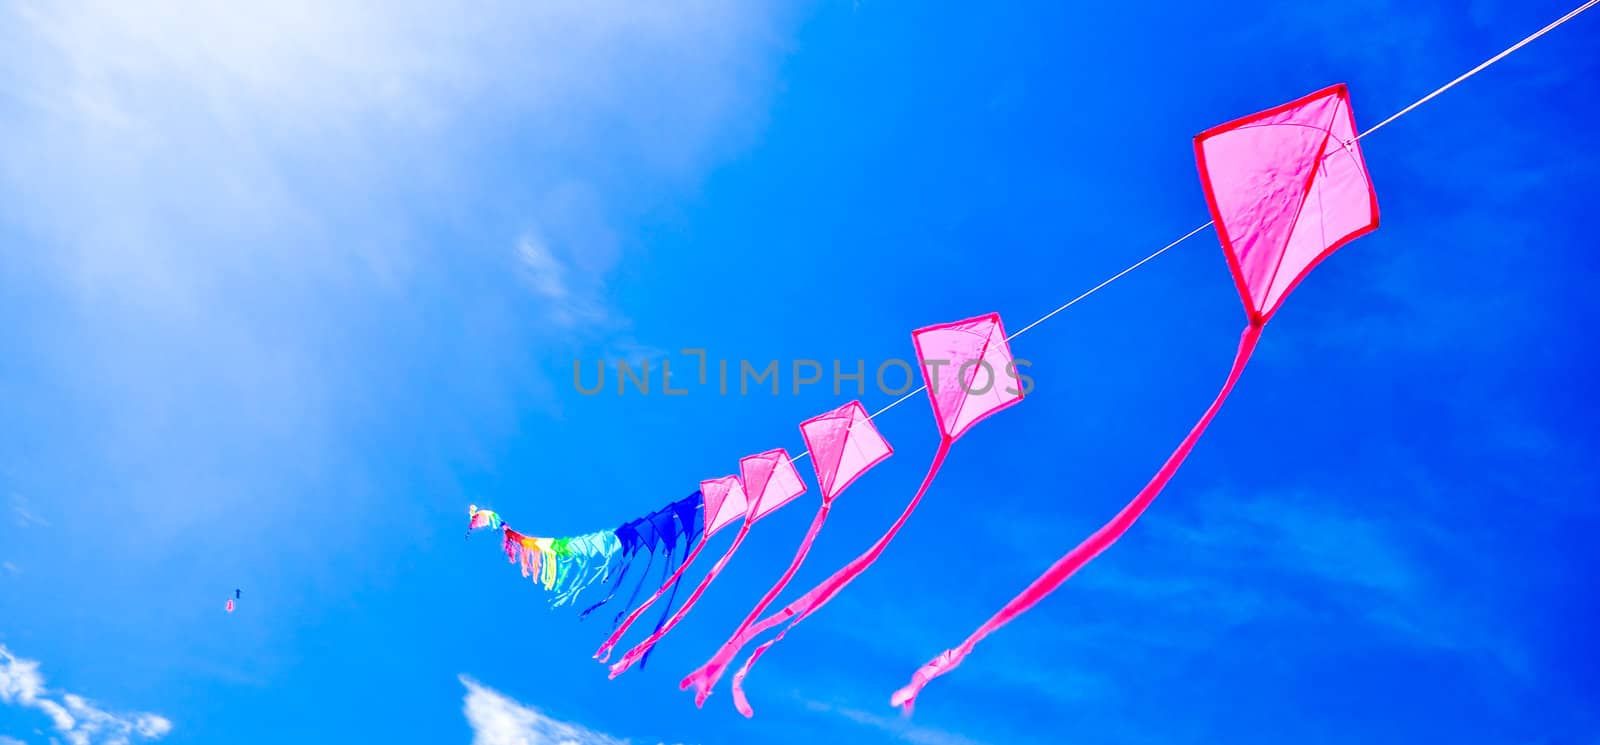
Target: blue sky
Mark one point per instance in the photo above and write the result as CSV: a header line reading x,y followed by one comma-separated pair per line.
x,y
288,287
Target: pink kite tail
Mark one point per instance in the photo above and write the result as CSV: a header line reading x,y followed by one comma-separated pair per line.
x,y
510,544
705,678
604,653
641,648
1091,547
819,596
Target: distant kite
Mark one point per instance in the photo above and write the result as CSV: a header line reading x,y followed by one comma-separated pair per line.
x,y
973,350
843,445
772,482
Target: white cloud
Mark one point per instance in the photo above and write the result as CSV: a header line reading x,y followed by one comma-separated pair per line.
x,y
548,274
10,568
78,720
24,513
571,297
499,720
899,726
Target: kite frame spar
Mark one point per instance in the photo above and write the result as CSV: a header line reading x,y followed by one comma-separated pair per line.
x,y
1258,316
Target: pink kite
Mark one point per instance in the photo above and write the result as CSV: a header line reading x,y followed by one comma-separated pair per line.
x,y
1286,188
843,445
724,502
770,482
967,352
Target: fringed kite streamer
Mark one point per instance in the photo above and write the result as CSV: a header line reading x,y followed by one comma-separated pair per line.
x,y
564,565
647,533
627,536
536,556
724,502
686,516
843,445
477,518
1286,187
968,347
643,532
595,553
770,481
678,528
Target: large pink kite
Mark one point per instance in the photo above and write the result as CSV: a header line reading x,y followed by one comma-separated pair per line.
x,y
1286,188
724,501
843,445
769,481
954,357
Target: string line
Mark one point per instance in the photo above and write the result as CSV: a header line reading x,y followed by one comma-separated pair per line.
x,y
1119,275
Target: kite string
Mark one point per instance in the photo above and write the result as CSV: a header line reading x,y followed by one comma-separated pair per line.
x,y
1047,316
1408,109
1441,89
1096,288
1102,539
1480,68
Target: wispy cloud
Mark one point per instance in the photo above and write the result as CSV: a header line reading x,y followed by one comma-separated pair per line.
x,y
10,568
78,720
497,719
552,281
901,728
1284,555
545,273
24,513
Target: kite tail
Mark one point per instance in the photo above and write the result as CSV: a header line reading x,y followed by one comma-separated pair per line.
x,y
627,561
643,647
602,575
819,596
666,609
643,579
599,574
548,577
603,654
559,571
578,576
705,678
518,552
510,544
1086,551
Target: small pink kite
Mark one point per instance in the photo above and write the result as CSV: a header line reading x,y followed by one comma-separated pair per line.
x,y
724,501
843,445
974,350
770,482
1286,188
